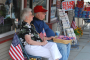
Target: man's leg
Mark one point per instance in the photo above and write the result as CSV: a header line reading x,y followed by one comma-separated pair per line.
x,y
53,50
63,50
68,49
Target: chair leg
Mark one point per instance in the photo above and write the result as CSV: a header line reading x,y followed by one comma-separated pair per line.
x,y
39,59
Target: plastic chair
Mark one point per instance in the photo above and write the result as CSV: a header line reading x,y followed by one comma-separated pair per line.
x,y
27,55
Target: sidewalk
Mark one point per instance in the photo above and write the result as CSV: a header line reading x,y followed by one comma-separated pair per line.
x,y
83,53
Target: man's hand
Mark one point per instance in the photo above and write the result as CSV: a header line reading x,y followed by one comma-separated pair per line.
x,y
49,38
52,37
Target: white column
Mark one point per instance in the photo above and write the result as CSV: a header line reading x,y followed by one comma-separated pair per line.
x,y
22,4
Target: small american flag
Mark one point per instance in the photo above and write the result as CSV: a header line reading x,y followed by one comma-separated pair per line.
x,y
15,49
73,24
42,34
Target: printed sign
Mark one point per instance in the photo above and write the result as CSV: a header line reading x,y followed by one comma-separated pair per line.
x,y
68,5
58,4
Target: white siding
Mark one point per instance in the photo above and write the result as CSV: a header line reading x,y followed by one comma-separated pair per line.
x,y
4,49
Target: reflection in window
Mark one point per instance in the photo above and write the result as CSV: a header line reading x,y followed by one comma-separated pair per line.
x,y
40,2
9,11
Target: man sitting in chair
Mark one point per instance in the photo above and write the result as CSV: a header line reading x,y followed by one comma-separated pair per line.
x,y
39,24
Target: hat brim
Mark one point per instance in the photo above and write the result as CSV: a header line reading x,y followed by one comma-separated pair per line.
x,y
44,10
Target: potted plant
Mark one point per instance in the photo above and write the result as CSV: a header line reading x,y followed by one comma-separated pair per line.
x,y
78,31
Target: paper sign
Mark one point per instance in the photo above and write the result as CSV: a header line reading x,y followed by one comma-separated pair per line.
x,y
68,5
53,12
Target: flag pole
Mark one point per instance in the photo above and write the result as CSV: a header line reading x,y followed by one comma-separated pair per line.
x,y
43,35
15,30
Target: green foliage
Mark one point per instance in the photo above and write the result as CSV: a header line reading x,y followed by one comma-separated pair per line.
x,y
3,11
78,31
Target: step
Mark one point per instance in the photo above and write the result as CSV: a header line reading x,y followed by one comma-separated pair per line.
x,y
86,33
84,38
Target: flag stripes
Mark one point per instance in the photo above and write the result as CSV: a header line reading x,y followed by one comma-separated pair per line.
x,y
11,55
42,34
73,25
16,53
19,49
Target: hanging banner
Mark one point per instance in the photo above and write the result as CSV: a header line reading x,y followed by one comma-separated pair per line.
x,y
68,5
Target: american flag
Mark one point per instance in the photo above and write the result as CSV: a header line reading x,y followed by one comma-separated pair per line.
x,y
15,49
42,34
73,24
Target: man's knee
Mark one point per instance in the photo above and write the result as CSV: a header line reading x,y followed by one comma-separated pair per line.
x,y
62,46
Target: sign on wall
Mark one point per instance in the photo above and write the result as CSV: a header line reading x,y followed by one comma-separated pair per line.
x,y
68,5
53,12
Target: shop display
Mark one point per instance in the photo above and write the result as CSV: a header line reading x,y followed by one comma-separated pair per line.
x,y
80,4
70,30
66,25
64,19
88,9
78,12
87,6
63,39
82,11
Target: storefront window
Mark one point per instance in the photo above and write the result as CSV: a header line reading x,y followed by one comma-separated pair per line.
x,y
9,15
44,3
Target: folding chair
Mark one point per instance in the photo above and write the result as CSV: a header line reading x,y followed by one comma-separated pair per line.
x,y
27,55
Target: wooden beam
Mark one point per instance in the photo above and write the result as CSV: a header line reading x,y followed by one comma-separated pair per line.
x,y
25,3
